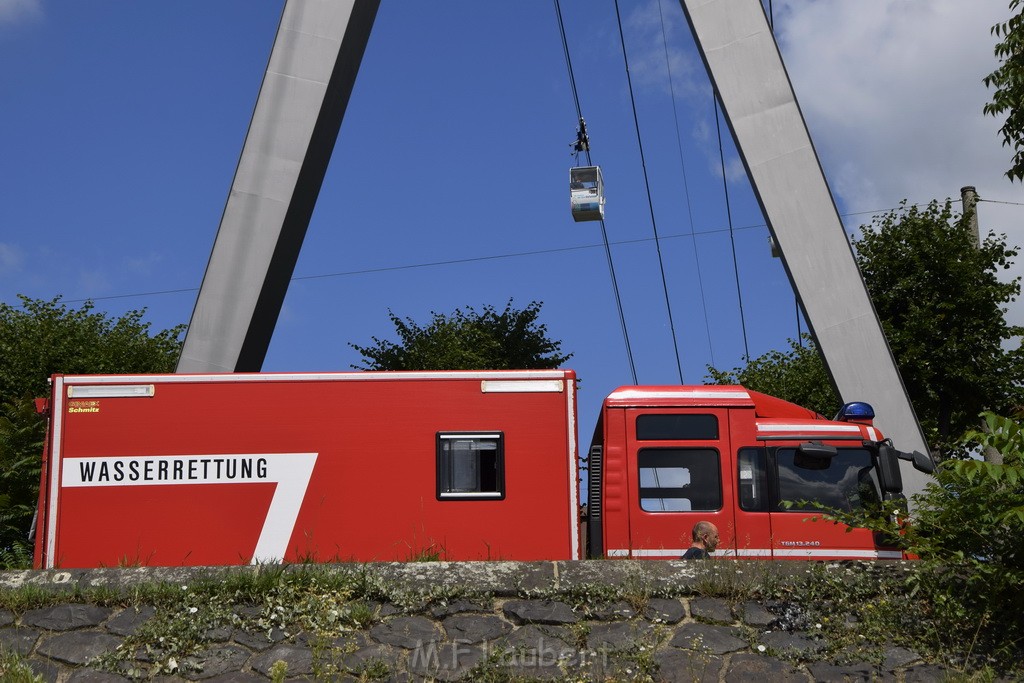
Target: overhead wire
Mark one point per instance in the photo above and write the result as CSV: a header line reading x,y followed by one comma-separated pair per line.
x,y
732,236
650,203
431,264
604,231
686,187
799,314
494,257
568,61
993,201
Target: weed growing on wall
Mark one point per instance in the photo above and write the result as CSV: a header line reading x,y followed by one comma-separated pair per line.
x,y
13,669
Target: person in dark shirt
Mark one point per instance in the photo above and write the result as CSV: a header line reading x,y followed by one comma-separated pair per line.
x,y
705,540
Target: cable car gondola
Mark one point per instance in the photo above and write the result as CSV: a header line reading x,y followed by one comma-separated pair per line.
x,y
586,193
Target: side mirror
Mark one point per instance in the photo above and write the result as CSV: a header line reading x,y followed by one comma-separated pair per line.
x,y
922,462
814,456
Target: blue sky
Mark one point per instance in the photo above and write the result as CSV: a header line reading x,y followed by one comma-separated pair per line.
x,y
123,122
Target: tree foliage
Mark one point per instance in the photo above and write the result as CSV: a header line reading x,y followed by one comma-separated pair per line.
x,y
21,448
797,375
1008,84
967,529
41,337
942,304
467,340
38,339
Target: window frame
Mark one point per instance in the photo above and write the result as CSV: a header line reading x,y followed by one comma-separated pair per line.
x,y
704,449
442,457
760,479
644,432
776,504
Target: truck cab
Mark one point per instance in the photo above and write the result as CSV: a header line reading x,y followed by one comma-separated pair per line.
x,y
664,458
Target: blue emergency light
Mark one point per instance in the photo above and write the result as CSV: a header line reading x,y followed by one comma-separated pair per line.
x,y
855,412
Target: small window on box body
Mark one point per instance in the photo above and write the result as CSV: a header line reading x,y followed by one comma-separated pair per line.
x,y
470,466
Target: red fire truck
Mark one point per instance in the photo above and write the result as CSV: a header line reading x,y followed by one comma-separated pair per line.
x,y
218,469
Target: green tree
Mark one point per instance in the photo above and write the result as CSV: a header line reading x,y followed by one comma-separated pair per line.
x,y
21,447
1008,83
38,339
942,305
798,376
467,340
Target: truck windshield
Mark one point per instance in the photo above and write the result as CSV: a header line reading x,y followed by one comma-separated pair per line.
x,y
848,482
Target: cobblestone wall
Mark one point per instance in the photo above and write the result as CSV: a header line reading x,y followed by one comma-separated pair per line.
x,y
512,634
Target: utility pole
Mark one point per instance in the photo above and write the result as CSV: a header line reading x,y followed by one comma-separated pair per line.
x,y
969,197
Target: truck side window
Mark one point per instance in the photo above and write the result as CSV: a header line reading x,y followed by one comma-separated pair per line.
x,y
679,479
676,427
753,480
470,466
849,483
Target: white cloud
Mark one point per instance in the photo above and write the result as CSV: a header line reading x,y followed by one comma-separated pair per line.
x,y
93,281
893,94
11,259
656,29
15,11
142,265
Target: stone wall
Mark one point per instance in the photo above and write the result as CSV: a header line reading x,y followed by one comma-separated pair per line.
x,y
515,621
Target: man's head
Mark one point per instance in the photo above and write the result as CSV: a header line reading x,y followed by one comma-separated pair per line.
x,y
705,534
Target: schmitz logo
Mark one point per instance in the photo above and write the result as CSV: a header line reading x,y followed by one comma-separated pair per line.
x,y
291,473
83,406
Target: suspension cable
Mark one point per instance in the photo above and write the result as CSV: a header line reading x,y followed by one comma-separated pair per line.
x,y
732,235
799,332
650,203
604,232
686,187
568,61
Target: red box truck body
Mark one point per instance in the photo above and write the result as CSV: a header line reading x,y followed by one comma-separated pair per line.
x,y
239,468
